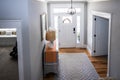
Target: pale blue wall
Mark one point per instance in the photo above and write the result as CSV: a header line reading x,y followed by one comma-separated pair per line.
x,y
28,11
18,9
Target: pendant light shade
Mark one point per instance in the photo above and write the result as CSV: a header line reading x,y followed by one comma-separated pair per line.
x,y
71,10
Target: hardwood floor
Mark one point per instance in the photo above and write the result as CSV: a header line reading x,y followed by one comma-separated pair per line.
x,y
100,63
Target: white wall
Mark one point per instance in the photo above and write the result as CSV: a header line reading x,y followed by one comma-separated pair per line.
x,y
29,14
109,7
35,9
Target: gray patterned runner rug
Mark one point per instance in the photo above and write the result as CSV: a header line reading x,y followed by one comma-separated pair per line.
x,y
76,67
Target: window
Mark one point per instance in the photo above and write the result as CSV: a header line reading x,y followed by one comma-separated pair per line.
x,y
64,10
56,25
67,19
78,29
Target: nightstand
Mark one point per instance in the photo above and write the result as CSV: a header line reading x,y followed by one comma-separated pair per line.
x,y
50,59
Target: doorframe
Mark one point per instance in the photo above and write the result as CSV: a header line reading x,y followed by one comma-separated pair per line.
x,y
51,6
81,44
109,17
16,24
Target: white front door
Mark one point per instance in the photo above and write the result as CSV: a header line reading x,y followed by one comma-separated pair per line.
x,y
67,33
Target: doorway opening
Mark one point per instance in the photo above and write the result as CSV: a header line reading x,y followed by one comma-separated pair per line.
x,y
69,26
58,16
11,29
101,44
8,52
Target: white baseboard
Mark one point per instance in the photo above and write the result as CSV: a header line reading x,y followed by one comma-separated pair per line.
x,y
82,46
89,50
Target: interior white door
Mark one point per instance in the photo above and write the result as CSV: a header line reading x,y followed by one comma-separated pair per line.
x,y
67,35
101,28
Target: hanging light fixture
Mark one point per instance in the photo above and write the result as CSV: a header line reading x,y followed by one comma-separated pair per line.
x,y
71,10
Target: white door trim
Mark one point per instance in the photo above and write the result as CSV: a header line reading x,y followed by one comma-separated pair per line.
x,y
16,24
66,5
107,16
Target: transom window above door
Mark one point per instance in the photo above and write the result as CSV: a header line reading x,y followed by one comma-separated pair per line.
x,y
64,10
